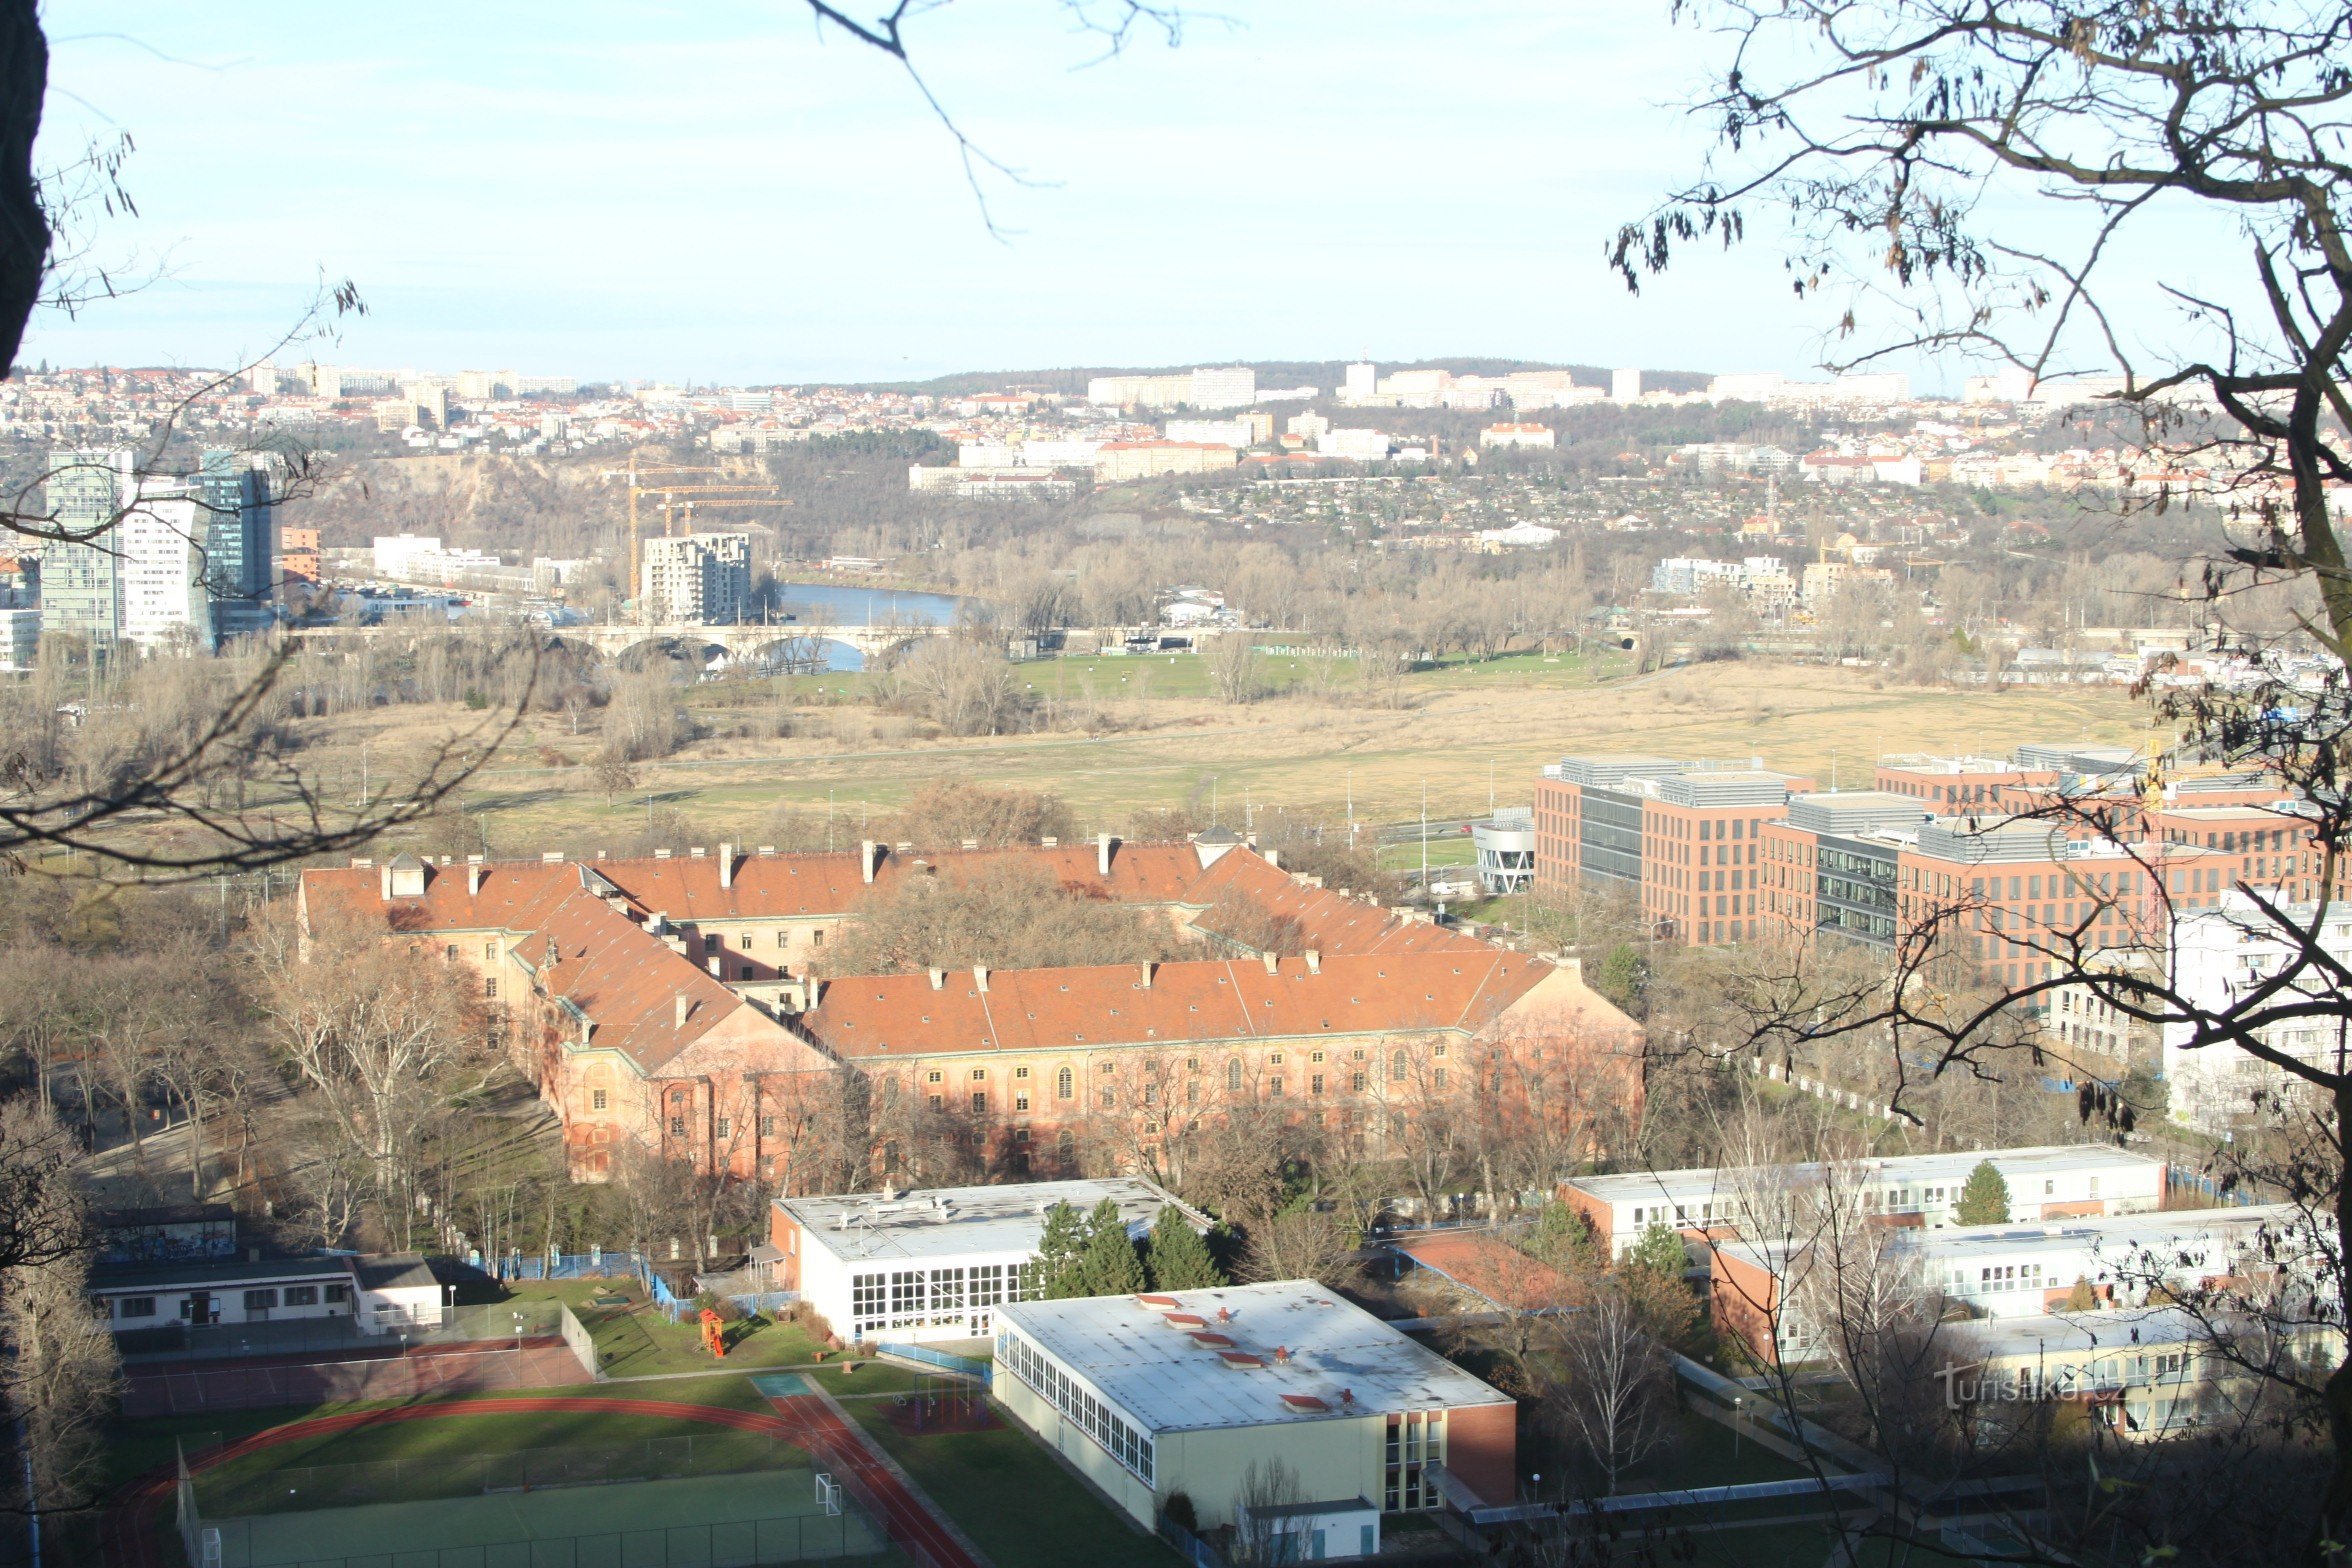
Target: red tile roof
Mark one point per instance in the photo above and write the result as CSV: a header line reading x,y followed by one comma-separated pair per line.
x,y
1188,1002
1494,1270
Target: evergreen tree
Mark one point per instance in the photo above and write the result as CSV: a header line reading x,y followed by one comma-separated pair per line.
x,y
1054,1273
1660,1251
1176,1257
1108,1266
1563,1238
1985,1200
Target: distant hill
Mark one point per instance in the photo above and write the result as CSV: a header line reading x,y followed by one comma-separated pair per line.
x,y
1324,373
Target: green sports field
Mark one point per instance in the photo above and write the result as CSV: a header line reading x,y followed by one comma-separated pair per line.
x,y
733,1521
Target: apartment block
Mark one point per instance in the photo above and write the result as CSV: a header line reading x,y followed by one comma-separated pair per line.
x,y
696,579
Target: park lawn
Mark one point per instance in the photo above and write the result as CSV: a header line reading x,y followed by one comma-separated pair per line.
x,y
1453,851
1014,1499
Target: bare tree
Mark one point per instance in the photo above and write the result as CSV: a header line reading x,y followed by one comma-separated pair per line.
x,y
1268,1487
61,1380
1616,1397
1236,668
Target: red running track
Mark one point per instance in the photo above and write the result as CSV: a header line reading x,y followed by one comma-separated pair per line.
x,y
128,1530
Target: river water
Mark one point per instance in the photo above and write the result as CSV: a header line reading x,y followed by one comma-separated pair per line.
x,y
840,604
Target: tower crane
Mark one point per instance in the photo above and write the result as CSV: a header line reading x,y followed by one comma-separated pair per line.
x,y
664,480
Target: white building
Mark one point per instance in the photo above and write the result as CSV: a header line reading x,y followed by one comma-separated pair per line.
x,y
1216,387
1521,435
695,579
936,1264
1625,386
1152,1395
2219,955
2045,1183
159,546
1237,433
381,1294
396,555
1362,384
1358,446
1505,847
20,637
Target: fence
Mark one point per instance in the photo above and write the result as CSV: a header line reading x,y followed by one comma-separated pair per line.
x,y
273,1489
1192,1548
946,1361
340,1336
746,1543
2181,1178
153,1392
564,1265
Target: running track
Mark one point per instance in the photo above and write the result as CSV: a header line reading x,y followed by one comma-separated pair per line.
x,y
131,1525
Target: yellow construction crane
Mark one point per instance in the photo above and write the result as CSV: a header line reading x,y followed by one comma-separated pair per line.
x,y
659,479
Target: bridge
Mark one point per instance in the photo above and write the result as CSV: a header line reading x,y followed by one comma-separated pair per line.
x,y
791,643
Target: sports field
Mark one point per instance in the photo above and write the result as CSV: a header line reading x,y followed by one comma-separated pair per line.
x,y
730,1521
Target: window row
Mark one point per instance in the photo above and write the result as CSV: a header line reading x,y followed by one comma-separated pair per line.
x,y
1119,1439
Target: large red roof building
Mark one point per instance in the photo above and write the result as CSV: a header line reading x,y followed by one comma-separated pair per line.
x,y
684,1003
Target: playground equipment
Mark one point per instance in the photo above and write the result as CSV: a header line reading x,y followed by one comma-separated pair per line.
x,y
714,1335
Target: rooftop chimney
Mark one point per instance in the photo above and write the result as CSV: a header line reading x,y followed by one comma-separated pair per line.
x,y
726,865
1102,854
1147,966
684,1005
866,860
384,881
1273,857
474,870
718,967
1314,960
980,977
938,979
1271,961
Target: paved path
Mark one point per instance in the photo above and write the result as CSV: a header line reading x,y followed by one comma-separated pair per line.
x,y
129,1528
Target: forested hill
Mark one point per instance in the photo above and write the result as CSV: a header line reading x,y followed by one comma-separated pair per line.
x,y
1323,373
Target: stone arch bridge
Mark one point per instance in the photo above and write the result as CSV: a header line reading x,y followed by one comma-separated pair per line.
x,y
794,643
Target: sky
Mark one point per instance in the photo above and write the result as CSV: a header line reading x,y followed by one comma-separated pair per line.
x,y
716,191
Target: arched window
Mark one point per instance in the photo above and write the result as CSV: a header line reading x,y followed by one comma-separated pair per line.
x,y
1396,1067
1233,1076
1064,1084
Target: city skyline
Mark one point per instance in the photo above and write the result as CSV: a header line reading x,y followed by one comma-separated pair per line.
x,y
744,201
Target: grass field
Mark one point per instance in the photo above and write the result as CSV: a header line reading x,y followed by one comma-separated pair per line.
x,y
1016,1503
633,1340
1467,728
700,1522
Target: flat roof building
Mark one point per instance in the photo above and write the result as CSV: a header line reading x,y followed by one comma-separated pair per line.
x,y
1185,1392
934,1264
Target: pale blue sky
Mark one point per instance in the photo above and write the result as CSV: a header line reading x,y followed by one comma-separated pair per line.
x,y
712,190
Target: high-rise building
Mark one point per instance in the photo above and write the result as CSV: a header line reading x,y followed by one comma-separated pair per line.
x,y
160,548
240,518
1625,386
81,579
696,580
1363,382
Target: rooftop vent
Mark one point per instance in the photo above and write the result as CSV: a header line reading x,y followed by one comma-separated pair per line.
x,y
1304,1402
1211,1341
1186,1320
1163,1302
1240,1360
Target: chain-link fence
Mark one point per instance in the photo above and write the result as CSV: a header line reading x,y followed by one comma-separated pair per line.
x,y
849,1536
264,1486
508,1320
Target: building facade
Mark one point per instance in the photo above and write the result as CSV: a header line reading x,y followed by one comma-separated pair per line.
x,y
696,579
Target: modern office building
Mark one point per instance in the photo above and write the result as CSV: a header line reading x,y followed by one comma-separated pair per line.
x,y
1505,850
696,580
2222,955
1149,1396
81,578
933,1265
161,568
233,492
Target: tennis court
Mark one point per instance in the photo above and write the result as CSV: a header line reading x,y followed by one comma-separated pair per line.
x,y
730,1521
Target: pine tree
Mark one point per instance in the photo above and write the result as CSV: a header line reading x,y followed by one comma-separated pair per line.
x,y
1985,1200
1108,1266
1053,1274
1660,1250
1176,1257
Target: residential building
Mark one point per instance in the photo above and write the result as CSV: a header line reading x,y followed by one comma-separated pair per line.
x,y
1539,437
1241,431
914,1266
2220,956
1356,446
1764,1292
1625,386
701,579
161,567
298,555
2046,1183
20,638
1361,385
1231,386
1121,462
1148,1396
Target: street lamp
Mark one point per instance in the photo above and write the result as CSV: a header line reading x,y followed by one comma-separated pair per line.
x,y
1736,1402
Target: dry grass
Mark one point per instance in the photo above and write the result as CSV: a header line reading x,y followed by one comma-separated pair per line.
x,y
1294,754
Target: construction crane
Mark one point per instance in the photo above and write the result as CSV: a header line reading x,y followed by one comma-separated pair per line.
x,y
660,479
